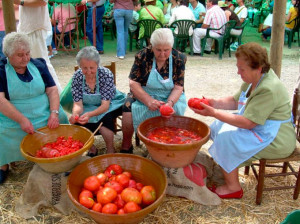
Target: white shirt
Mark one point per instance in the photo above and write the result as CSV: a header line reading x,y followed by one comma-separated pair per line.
x,y
182,12
242,14
268,20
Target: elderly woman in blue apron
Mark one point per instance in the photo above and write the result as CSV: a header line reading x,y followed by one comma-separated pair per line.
x,y
262,126
95,97
156,78
29,98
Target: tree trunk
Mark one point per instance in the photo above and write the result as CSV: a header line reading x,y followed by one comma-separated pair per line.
x,y
9,16
277,36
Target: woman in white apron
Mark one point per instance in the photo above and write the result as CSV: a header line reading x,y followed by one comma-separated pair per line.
x,y
95,97
156,78
262,126
29,98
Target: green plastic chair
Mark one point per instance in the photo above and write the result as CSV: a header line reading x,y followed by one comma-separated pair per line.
x,y
183,27
292,218
131,36
291,33
149,25
242,27
222,41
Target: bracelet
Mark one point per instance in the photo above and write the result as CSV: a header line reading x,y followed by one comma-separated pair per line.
x,y
171,102
54,111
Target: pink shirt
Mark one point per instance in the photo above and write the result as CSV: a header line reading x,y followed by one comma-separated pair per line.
x,y
2,27
215,17
123,4
61,14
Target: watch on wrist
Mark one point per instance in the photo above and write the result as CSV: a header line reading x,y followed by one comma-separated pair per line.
x,y
22,2
54,111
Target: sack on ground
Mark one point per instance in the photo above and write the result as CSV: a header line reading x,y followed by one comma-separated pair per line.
x,y
190,181
44,189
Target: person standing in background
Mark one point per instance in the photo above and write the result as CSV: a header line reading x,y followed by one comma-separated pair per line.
x,y
34,21
123,10
100,9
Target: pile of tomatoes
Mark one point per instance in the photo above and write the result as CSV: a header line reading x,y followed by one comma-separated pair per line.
x,y
60,147
115,192
172,135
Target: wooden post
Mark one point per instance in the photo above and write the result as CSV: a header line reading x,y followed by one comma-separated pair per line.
x,y
9,16
277,36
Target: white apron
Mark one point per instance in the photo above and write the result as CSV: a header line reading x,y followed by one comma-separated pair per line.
x,y
159,89
32,101
233,146
93,101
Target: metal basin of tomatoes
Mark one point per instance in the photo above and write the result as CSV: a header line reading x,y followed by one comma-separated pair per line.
x,y
31,143
143,170
173,155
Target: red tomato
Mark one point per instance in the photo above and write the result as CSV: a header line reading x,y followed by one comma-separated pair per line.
x,y
91,183
148,194
119,201
76,118
121,211
86,201
195,103
132,183
139,186
110,208
128,174
86,193
123,179
131,207
102,178
97,207
106,195
131,194
166,110
115,185
113,169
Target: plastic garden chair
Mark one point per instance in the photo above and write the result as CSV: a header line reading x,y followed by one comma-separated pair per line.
x,y
291,33
131,36
240,36
292,218
222,41
148,25
180,30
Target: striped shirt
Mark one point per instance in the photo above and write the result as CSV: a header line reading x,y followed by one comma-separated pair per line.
x,y
215,18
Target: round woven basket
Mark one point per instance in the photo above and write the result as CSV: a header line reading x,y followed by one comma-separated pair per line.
x,y
143,170
31,143
173,155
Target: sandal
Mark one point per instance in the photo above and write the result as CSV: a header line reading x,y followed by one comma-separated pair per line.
x,y
129,151
93,151
3,175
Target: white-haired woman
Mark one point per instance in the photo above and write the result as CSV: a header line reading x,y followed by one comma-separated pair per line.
x,y
29,98
156,78
95,97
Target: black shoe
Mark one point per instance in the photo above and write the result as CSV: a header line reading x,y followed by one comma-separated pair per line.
x,y
101,52
3,175
129,151
190,53
92,152
207,52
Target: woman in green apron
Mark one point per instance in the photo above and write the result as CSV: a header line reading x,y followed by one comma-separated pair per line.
x,y
95,97
156,78
262,126
29,98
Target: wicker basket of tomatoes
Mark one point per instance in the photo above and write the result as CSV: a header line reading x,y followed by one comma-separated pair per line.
x,y
59,150
173,142
117,188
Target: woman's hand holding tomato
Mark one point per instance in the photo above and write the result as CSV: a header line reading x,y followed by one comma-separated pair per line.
x,y
166,110
74,118
154,104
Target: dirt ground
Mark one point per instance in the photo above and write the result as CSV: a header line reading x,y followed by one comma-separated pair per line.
x,y
204,76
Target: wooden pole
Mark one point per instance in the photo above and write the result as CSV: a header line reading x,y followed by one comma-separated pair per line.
x,y
277,36
9,16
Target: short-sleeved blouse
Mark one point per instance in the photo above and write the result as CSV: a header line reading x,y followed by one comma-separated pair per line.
x,y
40,64
107,87
142,66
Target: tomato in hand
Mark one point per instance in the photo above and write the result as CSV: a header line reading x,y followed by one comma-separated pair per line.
x,y
131,207
86,201
110,208
91,183
106,195
166,110
123,179
97,207
131,194
148,194
115,185
195,103
113,169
